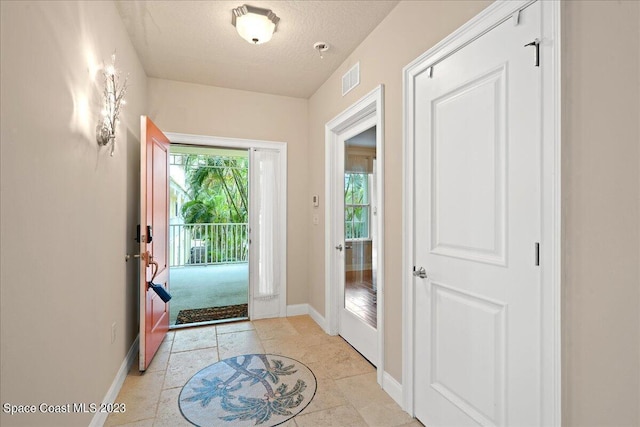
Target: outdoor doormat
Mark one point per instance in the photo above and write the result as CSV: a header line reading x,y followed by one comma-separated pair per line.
x,y
252,389
209,314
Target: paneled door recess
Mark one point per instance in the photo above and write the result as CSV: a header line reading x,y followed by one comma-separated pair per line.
x,y
477,229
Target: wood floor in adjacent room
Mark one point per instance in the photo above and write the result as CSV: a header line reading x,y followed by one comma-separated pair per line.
x,y
347,395
360,298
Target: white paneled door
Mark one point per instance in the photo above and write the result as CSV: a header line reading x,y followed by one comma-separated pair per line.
x,y
477,228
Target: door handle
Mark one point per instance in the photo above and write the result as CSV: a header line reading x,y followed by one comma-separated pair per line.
x,y
143,256
339,247
421,273
536,44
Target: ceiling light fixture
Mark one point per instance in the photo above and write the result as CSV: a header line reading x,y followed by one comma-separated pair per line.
x,y
254,24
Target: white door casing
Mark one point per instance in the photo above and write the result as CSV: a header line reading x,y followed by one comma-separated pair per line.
x,y
364,114
481,335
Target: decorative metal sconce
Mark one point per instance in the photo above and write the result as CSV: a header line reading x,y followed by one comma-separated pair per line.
x,y
113,99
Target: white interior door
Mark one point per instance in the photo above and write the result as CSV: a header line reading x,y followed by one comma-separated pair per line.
x,y
477,201
356,128
357,237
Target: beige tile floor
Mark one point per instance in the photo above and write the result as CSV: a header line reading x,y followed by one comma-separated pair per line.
x,y
347,394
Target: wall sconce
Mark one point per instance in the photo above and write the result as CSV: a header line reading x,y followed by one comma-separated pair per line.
x,y
254,24
113,99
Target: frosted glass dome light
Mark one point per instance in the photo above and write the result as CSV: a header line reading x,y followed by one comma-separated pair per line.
x,y
254,24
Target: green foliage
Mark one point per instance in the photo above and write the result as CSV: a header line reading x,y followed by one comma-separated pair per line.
x,y
356,200
218,187
356,189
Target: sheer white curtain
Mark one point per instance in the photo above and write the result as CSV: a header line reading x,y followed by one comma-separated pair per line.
x,y
267,210
268,194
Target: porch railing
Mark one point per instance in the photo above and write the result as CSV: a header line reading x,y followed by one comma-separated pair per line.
x,y
202,244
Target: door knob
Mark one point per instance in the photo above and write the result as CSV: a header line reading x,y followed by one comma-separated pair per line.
x,y
421,273
339,247
146,256
127,257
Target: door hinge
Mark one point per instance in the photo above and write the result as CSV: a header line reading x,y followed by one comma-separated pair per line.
x,y
536,44
537,253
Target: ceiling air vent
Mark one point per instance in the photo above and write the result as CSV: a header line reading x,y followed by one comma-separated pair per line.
x,y
351,79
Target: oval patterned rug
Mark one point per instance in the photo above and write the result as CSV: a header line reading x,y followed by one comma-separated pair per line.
x,y
252,389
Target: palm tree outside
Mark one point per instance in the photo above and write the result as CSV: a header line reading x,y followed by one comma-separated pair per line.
x,y
215,212
208,231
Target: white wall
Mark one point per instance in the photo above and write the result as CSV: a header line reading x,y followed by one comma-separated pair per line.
x,y
214,111
67,209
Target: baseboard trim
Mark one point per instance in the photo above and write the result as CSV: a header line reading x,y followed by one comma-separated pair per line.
x,y
393,388
101,417
301,309
318,318
297,309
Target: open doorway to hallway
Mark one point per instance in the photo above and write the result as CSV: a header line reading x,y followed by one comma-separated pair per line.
x,y
208,234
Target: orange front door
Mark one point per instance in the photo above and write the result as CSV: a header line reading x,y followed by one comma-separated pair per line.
x,y
154,229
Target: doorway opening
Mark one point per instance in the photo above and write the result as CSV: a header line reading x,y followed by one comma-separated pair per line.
x,y
354,254
208,234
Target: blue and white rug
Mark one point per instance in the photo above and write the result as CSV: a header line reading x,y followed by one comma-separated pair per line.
x,y
248,390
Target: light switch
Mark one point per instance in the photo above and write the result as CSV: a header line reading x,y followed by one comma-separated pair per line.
x,y
316,201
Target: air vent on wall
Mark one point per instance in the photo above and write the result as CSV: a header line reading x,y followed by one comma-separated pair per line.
x,y
351,79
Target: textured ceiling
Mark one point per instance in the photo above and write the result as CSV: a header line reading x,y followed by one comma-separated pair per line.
x,y
194,41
